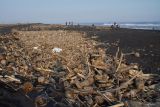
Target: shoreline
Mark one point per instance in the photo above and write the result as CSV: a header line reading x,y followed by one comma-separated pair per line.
x,y
52,26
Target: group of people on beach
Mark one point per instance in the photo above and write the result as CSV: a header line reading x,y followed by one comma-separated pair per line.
x,y
69,23
115,26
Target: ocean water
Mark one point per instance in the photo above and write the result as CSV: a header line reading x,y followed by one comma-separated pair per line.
x,y
132,25
137,25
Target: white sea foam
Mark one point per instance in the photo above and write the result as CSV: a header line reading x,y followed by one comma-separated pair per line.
x,y
147,26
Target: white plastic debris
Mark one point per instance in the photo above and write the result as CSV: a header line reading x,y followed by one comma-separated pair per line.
x,y
35,48
56,50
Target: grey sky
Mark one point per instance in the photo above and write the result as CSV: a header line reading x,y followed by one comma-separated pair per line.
x,y
59,11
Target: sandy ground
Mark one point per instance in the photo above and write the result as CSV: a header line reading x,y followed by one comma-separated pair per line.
x,y
146,43
74,44
82,60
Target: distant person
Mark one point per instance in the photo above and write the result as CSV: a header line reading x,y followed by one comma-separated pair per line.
x,y
66,23
78,25
114,23
71,23
112,26
93,26
115,26
153,28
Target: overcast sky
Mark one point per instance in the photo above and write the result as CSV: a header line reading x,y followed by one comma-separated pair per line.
x,y
59,11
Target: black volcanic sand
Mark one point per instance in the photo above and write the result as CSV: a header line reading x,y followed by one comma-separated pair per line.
x,y
145,42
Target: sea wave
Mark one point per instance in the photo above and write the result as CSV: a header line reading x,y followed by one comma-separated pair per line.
x,y
146,26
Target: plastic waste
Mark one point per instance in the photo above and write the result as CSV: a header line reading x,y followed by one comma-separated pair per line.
x,y
56,50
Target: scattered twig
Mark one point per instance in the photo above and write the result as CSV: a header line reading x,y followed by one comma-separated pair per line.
x,y
68,69
104,96
44,70
118,105
97,71
116,57
124,85
11,79
121,58
3,83
99,67
127,68
95,105
61,57
89,69
80,75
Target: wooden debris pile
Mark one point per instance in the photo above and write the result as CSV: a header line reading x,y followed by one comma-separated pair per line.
x,y
96,80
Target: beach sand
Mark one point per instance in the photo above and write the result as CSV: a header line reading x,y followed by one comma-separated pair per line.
x,y
144,42
85,63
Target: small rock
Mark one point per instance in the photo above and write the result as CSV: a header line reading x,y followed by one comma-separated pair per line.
x,y
3,62
2,57
27,87
139,83
151,45
52,80
25,67
41,79
99,99
70,94
2,50
137,54
41,101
